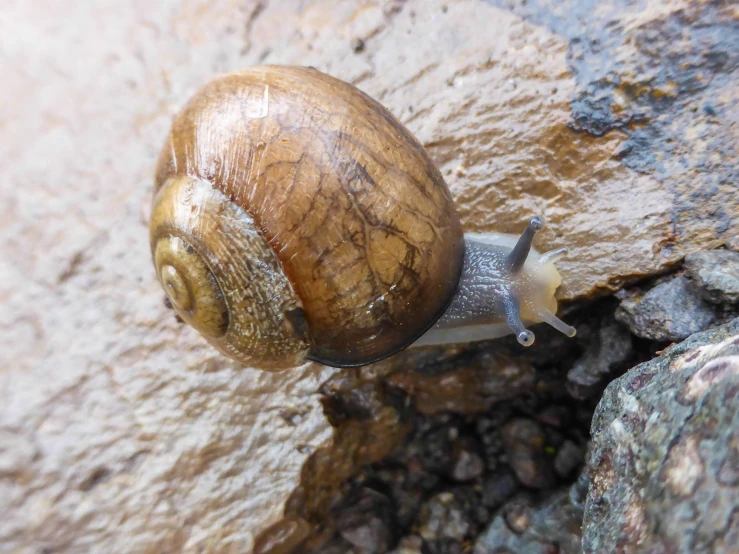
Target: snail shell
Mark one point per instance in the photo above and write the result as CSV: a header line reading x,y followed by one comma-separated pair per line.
x,y
295,218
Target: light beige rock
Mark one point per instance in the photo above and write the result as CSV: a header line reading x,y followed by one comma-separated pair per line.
x,y
122,431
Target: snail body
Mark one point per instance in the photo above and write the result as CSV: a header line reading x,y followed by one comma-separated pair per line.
x,y
295,218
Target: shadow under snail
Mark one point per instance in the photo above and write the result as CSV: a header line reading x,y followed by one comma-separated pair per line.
x,y
294,218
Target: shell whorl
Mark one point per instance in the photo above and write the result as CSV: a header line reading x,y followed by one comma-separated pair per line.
x,y
223,278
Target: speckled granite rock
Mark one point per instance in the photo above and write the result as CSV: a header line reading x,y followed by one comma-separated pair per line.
x,y
664,463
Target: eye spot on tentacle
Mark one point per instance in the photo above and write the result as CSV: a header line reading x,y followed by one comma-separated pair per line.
x,y
553,255
526,338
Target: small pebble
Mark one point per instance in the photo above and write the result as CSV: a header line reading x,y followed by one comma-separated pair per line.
x,y
555,416
497,489
366,524
436,448
443,517
467,463
568,457
518,518
370,537
525,445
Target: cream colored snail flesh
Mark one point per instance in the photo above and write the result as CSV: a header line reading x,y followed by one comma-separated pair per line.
x,y
294,218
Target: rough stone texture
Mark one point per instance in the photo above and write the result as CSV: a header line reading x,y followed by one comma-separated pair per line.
x,y
671,94
608,347
671,311
665,457
409,545
716,273
121,430
545,527
467,383
525,444
443,517
367,525
467,463
427,501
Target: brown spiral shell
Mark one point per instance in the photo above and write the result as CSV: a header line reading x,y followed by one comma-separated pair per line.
x,y
355,215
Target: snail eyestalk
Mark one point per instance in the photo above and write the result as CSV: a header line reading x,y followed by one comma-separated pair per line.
x,y
553,255
548,317
519,254
513,319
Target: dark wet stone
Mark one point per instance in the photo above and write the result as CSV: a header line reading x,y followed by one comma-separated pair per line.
x,y
336,546
445,546
407,495
346,397
443,516
716,274
456,513
419,477
661,449
608,348
555,416
488,430
550,526
569,456
497,489
466,383
469,498
412,544
436,447
367,522
370,537
525,445
408,502
467,463
670,311
518,517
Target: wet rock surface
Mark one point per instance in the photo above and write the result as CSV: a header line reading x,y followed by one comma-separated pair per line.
x,y
671,311
664,462
671,93
529,454
524,443
608,350
716,274
122,431
549,526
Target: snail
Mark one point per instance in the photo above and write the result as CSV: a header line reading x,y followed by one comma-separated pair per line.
x,y
294,218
